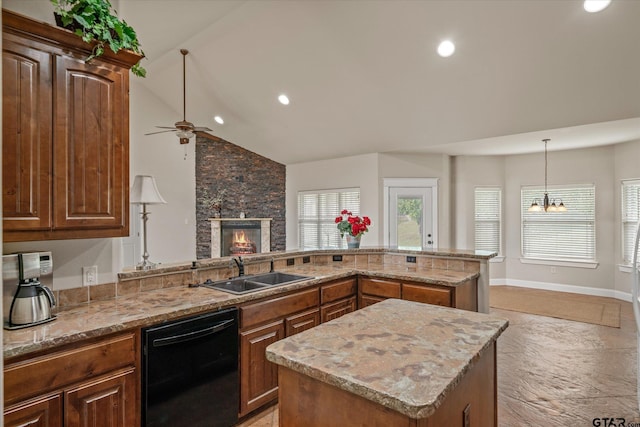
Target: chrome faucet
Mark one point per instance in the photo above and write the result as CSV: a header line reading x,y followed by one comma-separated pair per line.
x,y
240,265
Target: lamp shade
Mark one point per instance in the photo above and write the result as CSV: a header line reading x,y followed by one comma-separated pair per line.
x,y
145,191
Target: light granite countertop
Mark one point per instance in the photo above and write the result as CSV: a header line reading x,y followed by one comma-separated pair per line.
x,y
152,307
403,355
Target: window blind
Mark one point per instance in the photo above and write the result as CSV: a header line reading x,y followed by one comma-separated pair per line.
x,y
566,235
317,211
630,217
488,216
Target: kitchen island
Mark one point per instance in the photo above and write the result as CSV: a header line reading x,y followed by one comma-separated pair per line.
x,y
395,363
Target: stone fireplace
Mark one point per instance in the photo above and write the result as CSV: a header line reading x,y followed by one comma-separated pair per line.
x,y
240,236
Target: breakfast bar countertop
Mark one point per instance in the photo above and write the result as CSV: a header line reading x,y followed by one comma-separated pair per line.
x,y
403,355
99,318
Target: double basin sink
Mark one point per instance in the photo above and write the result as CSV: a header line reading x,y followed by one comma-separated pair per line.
x,y
254,283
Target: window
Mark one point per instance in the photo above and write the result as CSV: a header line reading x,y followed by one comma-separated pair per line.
x,y
317,212
630,217
488,215
560,236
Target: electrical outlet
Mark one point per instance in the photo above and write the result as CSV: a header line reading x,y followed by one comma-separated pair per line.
x,y
89,275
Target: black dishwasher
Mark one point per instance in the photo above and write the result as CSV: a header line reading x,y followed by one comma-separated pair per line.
x,y
190,371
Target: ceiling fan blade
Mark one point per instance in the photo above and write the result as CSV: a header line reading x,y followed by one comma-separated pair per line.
x,y
201,129
160,131
166,127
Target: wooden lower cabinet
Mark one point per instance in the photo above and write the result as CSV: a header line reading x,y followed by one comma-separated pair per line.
x,y
42,412
258,376
301,322
306,401
106,402
94,384
463,296
337,309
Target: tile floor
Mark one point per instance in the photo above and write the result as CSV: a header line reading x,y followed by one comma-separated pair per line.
x,y
556,372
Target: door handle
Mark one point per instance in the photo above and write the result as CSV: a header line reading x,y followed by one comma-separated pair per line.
x,y
177,339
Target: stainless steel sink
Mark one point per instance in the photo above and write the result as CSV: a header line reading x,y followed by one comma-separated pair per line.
x,y
277,278
254,283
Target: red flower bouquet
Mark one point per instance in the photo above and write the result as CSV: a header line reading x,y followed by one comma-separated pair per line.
x,y
352,225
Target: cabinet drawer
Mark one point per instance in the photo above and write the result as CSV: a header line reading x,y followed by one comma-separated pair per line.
x,y
42,374
276,308
301,322
368,300
427,294
337,309
337,290
381,288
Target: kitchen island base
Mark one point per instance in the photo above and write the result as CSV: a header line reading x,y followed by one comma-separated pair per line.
x,y
307,401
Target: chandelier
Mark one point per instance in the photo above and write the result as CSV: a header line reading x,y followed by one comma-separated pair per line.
x,y
546,206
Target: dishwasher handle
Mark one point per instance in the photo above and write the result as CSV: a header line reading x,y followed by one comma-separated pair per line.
x,y
177,339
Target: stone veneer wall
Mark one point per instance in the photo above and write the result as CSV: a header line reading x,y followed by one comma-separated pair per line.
x,y
255,185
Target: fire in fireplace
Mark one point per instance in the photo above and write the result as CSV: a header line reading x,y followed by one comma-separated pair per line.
x,y
241,244
240,238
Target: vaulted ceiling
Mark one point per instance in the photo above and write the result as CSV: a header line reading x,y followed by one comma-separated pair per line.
x,y
364,76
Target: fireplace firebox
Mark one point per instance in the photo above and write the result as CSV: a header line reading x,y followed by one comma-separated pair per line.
x,y
240,236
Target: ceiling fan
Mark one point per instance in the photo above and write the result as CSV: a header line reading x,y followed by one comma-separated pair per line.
x,y
184,129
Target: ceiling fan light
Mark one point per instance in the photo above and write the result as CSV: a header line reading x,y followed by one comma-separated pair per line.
x,y
219,120
184,134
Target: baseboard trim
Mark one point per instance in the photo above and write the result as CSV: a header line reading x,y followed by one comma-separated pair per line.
x,y
611,293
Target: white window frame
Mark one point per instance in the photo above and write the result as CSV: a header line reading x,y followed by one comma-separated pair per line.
x,y
493,215
629,218
326,224
584,215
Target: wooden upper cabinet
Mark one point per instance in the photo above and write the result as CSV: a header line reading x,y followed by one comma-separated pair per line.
x,y
26,137
89,157
65,164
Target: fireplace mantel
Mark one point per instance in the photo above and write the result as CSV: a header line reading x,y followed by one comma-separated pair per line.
x,y
216,230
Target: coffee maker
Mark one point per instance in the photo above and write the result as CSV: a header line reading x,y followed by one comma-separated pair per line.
x,y
26,289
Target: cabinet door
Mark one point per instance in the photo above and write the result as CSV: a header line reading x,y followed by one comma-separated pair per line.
x,y
258,376
301,322
337,309
108,402
45,412
26,137
91,150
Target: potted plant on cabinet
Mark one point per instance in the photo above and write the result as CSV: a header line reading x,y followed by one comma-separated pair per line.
x,y
97,21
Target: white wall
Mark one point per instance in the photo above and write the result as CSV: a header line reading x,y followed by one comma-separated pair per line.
x,y
471,172
424,166
171,229
347,172
602,166
368,172
626,159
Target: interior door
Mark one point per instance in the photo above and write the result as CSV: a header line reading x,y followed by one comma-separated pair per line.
x,y
410,218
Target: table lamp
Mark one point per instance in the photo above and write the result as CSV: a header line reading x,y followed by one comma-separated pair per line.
x,y
145,192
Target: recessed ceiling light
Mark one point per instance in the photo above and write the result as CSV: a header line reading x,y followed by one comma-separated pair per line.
x,y
284,99
446,48
593,6
219,120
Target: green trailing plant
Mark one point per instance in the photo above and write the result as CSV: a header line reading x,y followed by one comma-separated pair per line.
x,y
97,21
